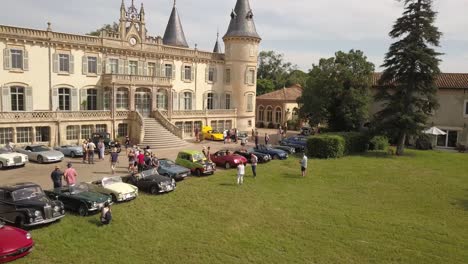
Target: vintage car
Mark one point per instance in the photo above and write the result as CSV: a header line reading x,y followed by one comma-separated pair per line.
x,y
79,198
228,159
288,149
150,181
71,151
41,154
209,133
274,153
297,142
108,143
240,136
196,162
170,169
26,204
12,159
307,131
262,157
15,243
116,188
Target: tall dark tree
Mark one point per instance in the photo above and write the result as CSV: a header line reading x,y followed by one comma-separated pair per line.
x,y
107,27
272,69
296,77
408,92
338,91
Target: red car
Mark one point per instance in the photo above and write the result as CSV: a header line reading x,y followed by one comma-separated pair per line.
x,y
15,243
227,159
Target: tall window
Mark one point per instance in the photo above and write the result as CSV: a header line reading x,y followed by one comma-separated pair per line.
x,y
228,101
278,115
6,135
64,99
121,98
210,101
211,74
261,113
72,132
106,99
64,62
168,70
114,66
16,59
227,78
122,130
17,98
101,128
466,108
133,67
42,134
250,103
91,99
161,99
187,101
269,112
449,140
23,134
187,73
251,76
151,69
86,131
92,65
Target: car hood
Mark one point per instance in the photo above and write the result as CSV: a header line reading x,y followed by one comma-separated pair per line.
x,y
176,169
12,238
91,196
51,153
158,178
121,187
11,155
36,202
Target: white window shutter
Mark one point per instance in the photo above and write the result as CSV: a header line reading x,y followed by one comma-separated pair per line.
x,y
55,63
29,99
246,76
192,71
85,65
55,99
74,99
181,101
121,66
182,72
99,65
25,60
6,59
157,70
207,73
216,103
108,66
194,101
140,68
83,98
175,105
125,69
215,74
145,68
173,71
72,64
222,101
204,101
100,99
6,99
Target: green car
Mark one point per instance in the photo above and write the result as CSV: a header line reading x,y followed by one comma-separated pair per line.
x,y
196,162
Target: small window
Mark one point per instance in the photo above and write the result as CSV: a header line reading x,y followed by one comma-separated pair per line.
x,y
211,74
187,73
187,101
114,66
228,76
92,65
91,99
101,128
151,69
122,130
250,123
228,101
251,77
72,132
466,108
17,59
122,98
168,70
210,101
64,62
17,98
250,103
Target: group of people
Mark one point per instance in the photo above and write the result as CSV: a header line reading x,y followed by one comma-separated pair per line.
x,y
141,159
89,148
241,169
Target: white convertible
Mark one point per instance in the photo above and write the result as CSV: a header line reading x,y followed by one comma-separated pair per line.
x,y
12,159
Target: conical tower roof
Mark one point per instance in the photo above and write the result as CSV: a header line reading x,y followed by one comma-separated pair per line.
x,y
242,23
217,48
174,35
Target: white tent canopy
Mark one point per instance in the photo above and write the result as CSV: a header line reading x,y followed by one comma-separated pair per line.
x,y
434,131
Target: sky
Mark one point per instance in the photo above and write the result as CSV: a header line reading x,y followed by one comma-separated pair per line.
x,y
303,30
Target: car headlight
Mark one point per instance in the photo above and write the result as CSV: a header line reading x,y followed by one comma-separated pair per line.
x,y
173,181
28,235
120,195
56,209
37,213
94,204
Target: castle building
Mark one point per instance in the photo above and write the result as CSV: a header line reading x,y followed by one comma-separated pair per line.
x,y
59,88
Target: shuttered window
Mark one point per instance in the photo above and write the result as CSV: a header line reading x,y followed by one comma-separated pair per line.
x,y
250,103
92,65
64,99
16,59
17,98
228,101
64,63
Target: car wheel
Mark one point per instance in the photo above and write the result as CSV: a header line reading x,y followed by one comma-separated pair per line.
x,y
227,165
40,159
275,157
114,199
19,222
154,189
83,210
1,165
197,172
72,154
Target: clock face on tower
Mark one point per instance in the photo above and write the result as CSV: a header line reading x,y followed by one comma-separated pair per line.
x,y
132,41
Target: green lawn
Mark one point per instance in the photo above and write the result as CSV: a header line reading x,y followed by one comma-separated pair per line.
x,y
360,209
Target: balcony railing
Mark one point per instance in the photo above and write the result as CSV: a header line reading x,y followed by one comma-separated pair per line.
x,y
125,79
204,113
50,116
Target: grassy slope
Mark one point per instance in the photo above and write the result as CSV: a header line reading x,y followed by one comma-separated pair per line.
x,y
361,209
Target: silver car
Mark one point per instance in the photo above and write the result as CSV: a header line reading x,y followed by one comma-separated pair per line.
x,y
71,151
41,154
11,159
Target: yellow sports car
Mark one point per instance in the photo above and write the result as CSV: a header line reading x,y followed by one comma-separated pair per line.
x,y
210,133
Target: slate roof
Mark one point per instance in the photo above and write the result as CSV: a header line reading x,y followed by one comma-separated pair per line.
x,y
242,23
443,81
174,35
285,94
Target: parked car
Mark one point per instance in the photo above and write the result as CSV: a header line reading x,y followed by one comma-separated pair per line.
x,y
170,169
108,143
210,133
79,198
26,204
71,151
307,131
288,149
116,188
240,135
227,159
298,142
262,157
196,162
274,153
41,154
12,159
15,243
150,181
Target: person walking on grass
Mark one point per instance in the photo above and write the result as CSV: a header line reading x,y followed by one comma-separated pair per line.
x,y
106,214
56,177
91,147
303,163
254,161
240,173
114,159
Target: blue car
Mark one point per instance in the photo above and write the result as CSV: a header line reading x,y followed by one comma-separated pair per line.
x,y
297,142
70,151
274,153
170,169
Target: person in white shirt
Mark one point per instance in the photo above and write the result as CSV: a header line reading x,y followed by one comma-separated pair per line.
x,y
303,163
91,147
240,173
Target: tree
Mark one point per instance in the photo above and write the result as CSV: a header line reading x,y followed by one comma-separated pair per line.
x,y
338,91
107,27
296,77
408,90
271,66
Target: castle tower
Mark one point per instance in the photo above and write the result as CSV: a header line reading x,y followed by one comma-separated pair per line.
x,y
241,43
132,24
174,34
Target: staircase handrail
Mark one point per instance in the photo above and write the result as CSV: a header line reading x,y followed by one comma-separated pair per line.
x,y
167,124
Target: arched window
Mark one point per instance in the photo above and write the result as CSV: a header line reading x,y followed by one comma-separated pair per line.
x,y
121,98
161,99
91,99
187,101
278,115
261,113
269,111
64,96
17,98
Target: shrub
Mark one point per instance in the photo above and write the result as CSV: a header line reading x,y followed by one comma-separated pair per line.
x,y
294,124
379,143
423,142
355,142
326,146
271,125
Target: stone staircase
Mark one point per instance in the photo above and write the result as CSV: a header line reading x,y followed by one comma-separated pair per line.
x,y
158,137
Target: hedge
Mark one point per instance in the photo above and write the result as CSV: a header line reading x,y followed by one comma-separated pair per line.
x,y
379,143
326,146
355,142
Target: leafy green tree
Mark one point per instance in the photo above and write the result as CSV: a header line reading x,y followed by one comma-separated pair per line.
x,y
408,90
107,27
272,67
265,86
296,77
338,91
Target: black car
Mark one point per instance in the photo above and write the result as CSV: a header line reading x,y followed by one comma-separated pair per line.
x,y
307,131
262,157
108,143
26,205
150,181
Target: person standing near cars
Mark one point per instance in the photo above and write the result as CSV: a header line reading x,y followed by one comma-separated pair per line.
x,y
240,173
114,159
303,163
254,161
106,214
70,175
84,146
91,147
56,177
101,149
267,139
256,139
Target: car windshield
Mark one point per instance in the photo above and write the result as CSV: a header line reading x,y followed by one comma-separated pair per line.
x,y
39,149
111,180
215,132
168,163
81,187
27,193
198,156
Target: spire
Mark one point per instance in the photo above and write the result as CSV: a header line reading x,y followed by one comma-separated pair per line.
x,y
174,35
142,9
216,47
242,23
